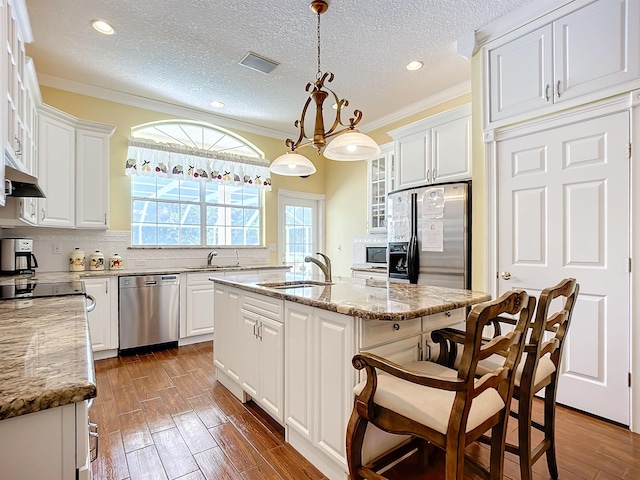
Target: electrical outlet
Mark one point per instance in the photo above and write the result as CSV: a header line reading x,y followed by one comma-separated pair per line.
x,y
272,247
140,263
56,248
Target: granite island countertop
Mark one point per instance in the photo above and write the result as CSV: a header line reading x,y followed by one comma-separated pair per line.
x,y
370,299
45,354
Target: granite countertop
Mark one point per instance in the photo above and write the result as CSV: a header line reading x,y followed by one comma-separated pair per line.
x,y
369,299
45,354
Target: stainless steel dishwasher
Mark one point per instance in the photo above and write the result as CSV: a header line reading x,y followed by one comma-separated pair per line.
x,y
149,312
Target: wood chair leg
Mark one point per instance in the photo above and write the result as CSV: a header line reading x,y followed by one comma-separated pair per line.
x,y
525,406
355,438
496,461
550,428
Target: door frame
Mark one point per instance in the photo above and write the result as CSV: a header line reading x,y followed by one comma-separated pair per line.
x,y
625,102
320,199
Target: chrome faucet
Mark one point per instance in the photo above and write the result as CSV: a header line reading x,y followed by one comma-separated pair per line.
x,y
325,267
210,257
237,258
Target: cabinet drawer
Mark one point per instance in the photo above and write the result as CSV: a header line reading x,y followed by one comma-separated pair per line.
x,y
375,332
201,278
265,306
444,319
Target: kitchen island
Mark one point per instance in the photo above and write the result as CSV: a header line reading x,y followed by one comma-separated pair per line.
x,y
46,378
287,343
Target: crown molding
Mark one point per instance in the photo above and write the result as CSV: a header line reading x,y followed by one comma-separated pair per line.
x,y
523,16
157,106
429,102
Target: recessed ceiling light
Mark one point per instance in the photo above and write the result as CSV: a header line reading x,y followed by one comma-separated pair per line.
x,y
103,27
217,104
415,65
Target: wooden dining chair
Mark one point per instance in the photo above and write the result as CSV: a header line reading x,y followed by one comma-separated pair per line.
x,y
444,407
538,369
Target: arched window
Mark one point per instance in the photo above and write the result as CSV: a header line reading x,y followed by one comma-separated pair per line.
x,y
195,184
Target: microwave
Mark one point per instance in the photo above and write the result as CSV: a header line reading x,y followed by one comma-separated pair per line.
x,y
376,255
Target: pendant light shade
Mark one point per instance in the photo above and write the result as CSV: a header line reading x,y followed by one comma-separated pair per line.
x,y
351,146
292,164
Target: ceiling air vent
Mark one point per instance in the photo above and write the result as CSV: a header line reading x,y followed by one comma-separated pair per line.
x,y
256,62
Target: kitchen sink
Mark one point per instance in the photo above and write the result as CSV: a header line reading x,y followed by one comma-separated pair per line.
x,y
294,284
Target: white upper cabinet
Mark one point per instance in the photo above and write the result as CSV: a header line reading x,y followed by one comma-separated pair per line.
x,y
56,171
585,54
434,150
73,171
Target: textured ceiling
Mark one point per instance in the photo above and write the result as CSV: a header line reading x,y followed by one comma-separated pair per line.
x,y
187,52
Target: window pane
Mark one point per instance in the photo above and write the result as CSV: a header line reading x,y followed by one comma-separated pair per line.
x,y
144,234
190,215
168,235
190,191
168,189
237,217
214,193
251,197
251,218
168,213
235,195
190,235
215,216
237,236
143,212
252,236
143,187
216,236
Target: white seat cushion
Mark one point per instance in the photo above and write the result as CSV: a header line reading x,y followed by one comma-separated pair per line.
x,y
430,406
545,367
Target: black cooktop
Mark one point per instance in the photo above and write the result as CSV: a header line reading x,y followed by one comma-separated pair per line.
x,y
32,288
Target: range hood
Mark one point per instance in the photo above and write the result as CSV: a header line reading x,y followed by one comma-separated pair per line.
x,y
19,183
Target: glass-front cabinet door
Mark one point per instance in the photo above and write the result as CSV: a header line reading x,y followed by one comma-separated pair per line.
x,y
381,181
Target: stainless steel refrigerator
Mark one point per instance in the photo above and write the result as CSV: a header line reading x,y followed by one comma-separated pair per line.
x,y
429,232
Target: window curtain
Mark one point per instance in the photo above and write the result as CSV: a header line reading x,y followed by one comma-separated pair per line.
x,y
146,157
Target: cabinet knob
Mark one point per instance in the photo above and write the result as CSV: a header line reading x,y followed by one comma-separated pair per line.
x,y
546,92
558,88
505,275
396,326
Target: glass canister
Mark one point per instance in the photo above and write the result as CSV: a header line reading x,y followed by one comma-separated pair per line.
x,y
96,261
77,260
115,262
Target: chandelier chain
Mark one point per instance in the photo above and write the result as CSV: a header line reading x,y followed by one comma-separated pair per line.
x,y
319,74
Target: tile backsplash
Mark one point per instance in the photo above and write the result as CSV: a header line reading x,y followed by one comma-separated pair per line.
x,y
46,241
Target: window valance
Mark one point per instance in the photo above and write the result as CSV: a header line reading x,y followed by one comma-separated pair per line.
x,y
146,157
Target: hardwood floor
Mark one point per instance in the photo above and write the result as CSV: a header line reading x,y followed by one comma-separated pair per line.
x,y
163,415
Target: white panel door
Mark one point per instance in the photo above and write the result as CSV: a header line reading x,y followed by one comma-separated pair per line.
x,y
335,379
100,317
200,300
271,363
250,348
563,206
299,374
412,159
451,150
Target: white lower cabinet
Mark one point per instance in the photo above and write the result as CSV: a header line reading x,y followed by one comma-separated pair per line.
x,y
227,356
262,344
199,311
51,444
319,380
103,320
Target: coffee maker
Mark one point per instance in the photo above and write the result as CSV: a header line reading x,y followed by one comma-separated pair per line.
x,y
16,256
